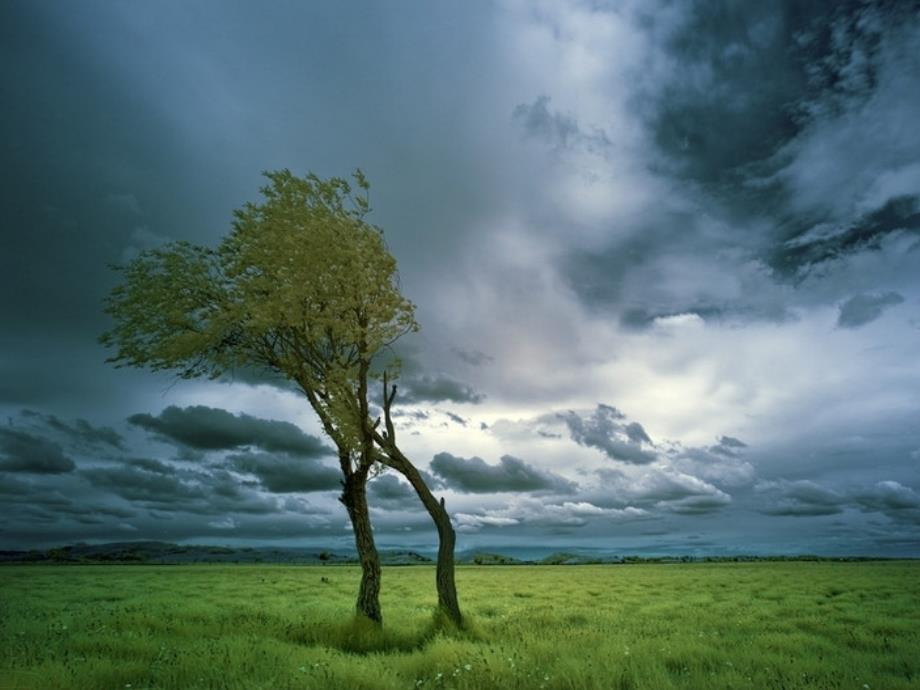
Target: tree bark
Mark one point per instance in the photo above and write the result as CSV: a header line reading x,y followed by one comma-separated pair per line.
x,y
354,497
444,575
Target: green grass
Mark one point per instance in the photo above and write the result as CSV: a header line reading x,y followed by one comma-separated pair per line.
x,y
757,625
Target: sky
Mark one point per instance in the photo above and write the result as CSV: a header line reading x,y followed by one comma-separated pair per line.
x,y
665,258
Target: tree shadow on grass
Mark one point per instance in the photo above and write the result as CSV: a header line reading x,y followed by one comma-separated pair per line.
x,y
360,635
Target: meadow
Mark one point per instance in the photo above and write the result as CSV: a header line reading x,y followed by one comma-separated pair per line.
x,y
728,625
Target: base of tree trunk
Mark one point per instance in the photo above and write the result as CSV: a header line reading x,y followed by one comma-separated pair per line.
x,y
354,497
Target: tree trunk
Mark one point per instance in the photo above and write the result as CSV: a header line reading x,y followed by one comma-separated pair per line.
x,y
447,588
354,496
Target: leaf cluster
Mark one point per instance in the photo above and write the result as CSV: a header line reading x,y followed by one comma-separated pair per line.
x,y
302,286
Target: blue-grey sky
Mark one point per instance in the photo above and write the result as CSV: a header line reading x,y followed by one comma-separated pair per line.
x,y
666,258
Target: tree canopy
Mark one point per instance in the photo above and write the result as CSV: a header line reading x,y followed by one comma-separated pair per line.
x,y
303,286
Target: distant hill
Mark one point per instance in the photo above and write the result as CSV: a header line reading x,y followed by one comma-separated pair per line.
x,y
157,552
478,558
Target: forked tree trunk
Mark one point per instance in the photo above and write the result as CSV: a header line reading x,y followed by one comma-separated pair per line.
x,y
354,496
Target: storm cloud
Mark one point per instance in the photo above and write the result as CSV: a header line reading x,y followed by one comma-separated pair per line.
x,y
606,430
140,482
287,474
806,498
391,493
862,309
475,475
208,428
436,388
24,452
79,431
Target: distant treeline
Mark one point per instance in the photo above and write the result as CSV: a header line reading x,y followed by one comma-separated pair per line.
x,y
153,553
578,559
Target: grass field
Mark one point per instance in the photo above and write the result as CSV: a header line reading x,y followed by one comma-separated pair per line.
x,y
756,625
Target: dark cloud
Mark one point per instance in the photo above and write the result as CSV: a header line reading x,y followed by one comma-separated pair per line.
x,y
806,498
723,462
636,433
802,498
865,308
600,276
751,77
733,49
475,475
70,508
23,452
794,509
82,511
209,428
227,497
605,430
388,487
11,486
815,243
147,484
151,465
756,114
433,481
58,500
889,495
286,474
699,505
900,503
391,493
80,431
254,376
436,388
805,491
172,490
456,418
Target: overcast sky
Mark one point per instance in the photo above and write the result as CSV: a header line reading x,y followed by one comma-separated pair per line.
x,y
666,258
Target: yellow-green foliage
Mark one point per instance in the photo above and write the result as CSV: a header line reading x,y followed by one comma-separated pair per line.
x,y
302,287
758,626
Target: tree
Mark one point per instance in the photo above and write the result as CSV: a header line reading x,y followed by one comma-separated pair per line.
x,y
302,287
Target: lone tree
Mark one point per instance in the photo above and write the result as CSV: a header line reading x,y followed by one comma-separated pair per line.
x,y
304,288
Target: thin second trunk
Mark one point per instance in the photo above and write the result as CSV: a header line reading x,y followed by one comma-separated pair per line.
x,y
447,588
444,577
393,457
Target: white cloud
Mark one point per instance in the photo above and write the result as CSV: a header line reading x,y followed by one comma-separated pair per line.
x,y
535,514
